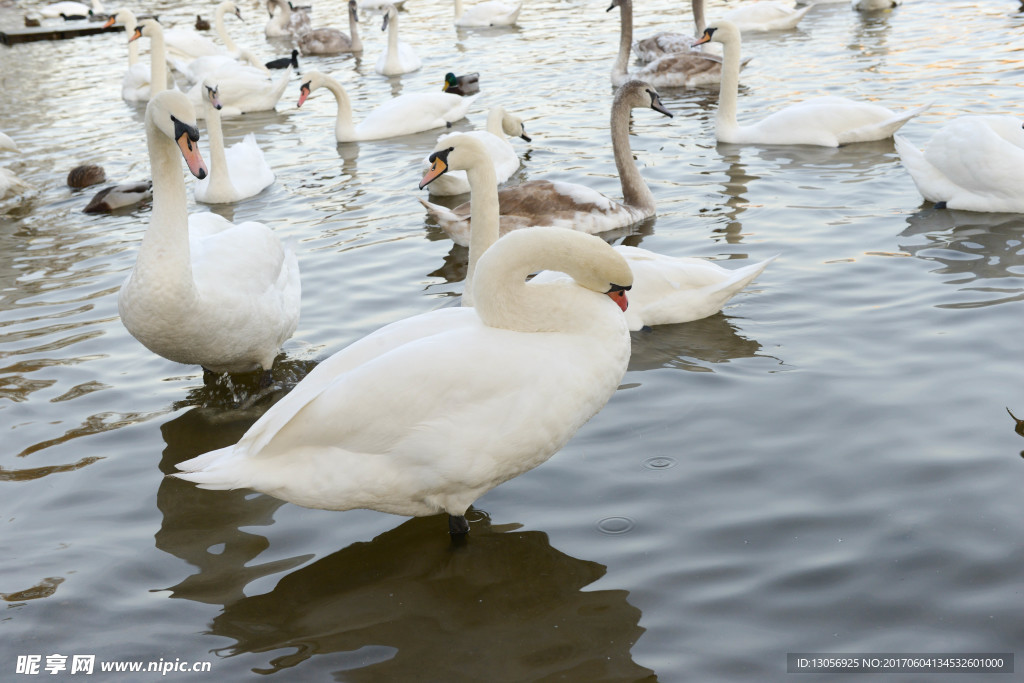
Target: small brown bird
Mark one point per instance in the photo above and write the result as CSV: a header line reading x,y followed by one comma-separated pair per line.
x,y
202,24
86,175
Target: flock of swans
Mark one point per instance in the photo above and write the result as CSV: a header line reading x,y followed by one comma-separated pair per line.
x,y
524,362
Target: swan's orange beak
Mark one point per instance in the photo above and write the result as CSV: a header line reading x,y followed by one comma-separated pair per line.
x,y
619,297
437,169
190,151
137,34
109,22
303,94
705,38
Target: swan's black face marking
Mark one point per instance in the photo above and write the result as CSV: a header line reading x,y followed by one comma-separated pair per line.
x,y
524,135
617,293
304,92
211,94
137,34
191,132
708,32
387,17
238,13
438,166
353,10
615,3
656,104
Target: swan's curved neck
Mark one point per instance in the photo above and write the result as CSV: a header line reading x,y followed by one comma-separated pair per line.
x,y
157,60
458,9
164,254
220,180
635,192
222,8
484,221
130,22
495,117
725,118
698,17
344,130
353,30
392,60
621,67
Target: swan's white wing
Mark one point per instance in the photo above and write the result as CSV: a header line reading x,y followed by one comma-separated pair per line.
x,y
187,44
248,167
412,113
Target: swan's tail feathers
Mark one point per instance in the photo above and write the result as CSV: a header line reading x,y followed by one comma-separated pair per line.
x,y
454,225
883,130
741,277
930,182
209,471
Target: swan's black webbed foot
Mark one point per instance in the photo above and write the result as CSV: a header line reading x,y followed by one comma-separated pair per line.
x,y
457,526
940,205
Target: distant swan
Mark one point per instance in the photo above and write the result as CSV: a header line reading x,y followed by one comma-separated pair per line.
x,y
973,163
331,41
408,113
203,290
669,42
765,16
398,57
427,414
286,21
824,121
488,13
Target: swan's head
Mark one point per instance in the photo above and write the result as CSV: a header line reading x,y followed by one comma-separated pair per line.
x,y
589,260
390,13
513,126
212,95
723,31
639,94
125,16
233,8
172,114
146,27
271,4
454,153
314,80
616,3
353,10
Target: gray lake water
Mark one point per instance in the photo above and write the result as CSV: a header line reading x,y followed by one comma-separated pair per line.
x,y
826,466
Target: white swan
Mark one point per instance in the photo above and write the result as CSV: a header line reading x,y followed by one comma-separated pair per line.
x,y
871,5
242,88
135,86
235,173
286,21
186,44
71,9
665,289
398,57
10,184
561,204
499,150
203,290
429,413
669,42
402,115
973,163
488,13
331,41
823,121
159,79
765,16
682,69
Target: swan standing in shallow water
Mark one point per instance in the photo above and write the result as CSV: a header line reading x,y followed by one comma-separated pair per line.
x,y
429,413
568,205
823,121
973,163
499,150
398,57
487,13
682,69
665,289
235,173
331,41
203,290
402,115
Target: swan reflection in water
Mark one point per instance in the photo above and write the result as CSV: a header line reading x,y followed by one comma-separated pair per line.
x,y
407,605
980,253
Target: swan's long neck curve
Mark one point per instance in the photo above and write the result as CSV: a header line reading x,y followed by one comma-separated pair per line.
x,y
620,69
484,221
344,130
157,59
494,121
222,31
130,22
635,192
725,118
458,9
353,31
392,59
164,256
698,17
220,179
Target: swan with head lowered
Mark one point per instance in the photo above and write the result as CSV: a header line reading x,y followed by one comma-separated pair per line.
x,y
427,414
235,173
824,121
408,113
502,154
398,57
487,13
204,291
665,289
331,41
687,69
562,204
973,163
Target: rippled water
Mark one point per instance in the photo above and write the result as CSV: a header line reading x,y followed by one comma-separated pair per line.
x,y
827,466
